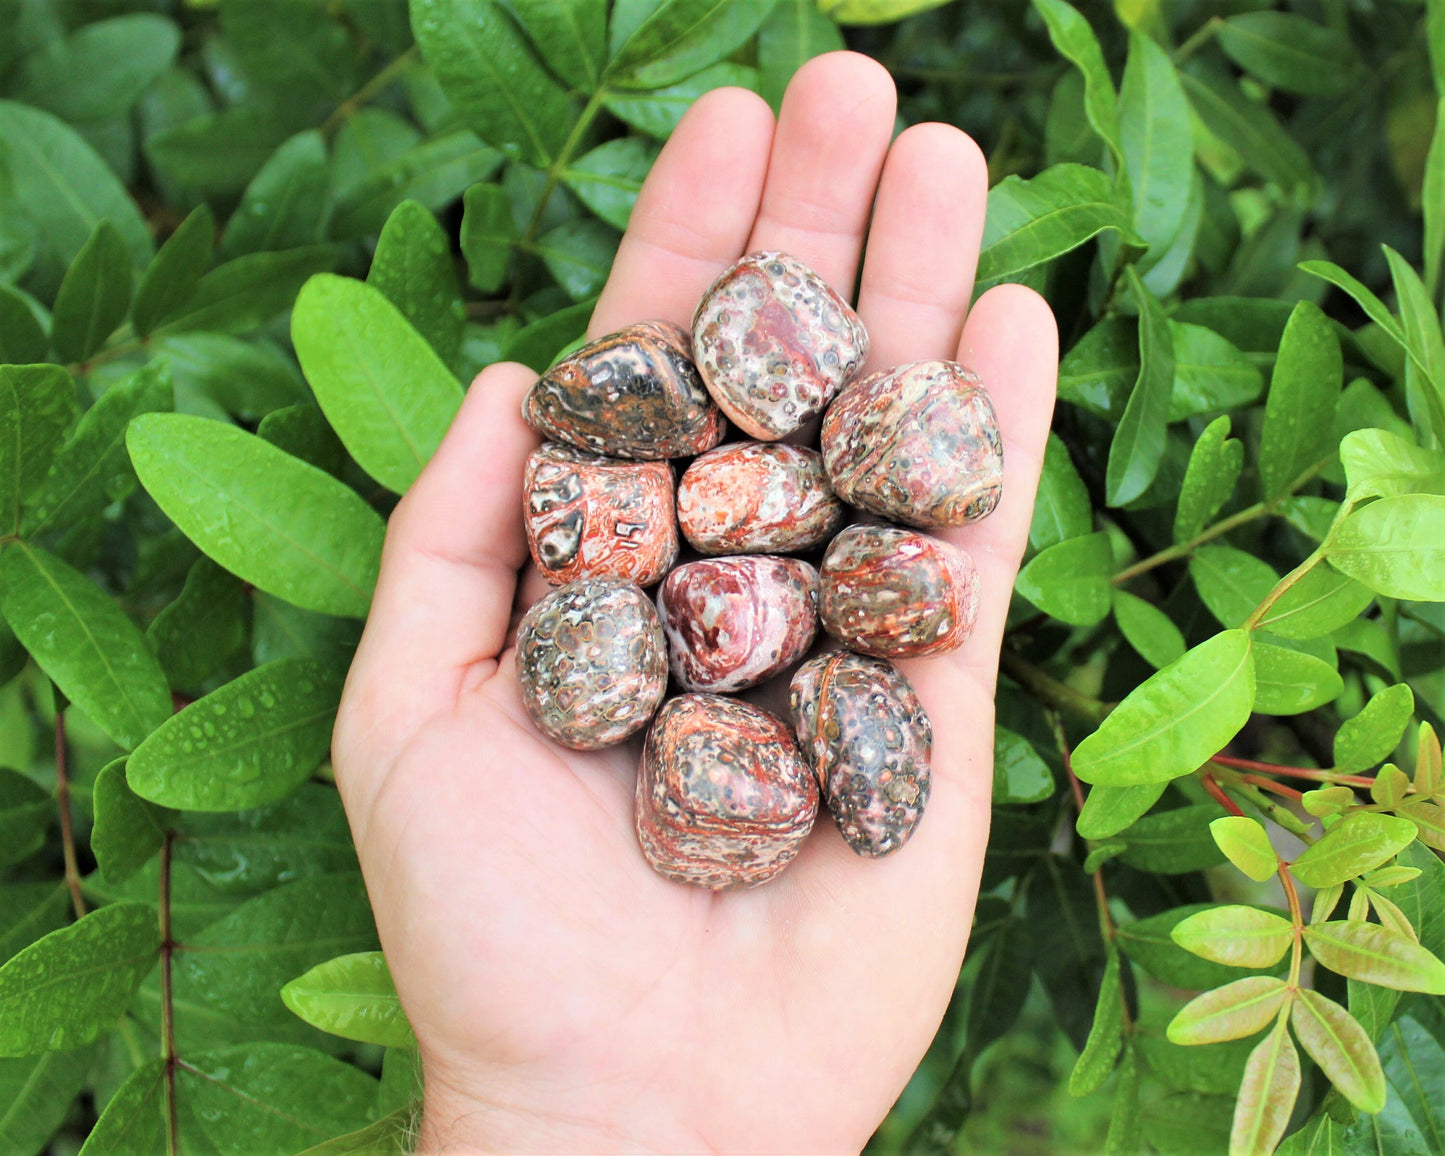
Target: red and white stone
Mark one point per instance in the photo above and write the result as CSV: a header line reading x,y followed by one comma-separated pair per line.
x,y
732,623
757,498
589,516
774,343
724,799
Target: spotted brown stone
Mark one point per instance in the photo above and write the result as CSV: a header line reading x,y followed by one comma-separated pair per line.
x,y
917,444
723,797
774,343
632,394
895,593
757,498
592,662
861,727
732,623
589,516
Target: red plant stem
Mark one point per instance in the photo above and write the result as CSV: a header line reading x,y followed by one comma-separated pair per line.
x,y
1310,773
1270,785
67,833
1217,792
1297,917
168,1024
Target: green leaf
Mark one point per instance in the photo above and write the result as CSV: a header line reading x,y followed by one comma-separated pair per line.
x,y
1173,842
535,345
1266,1095
213,154
1070,580
797,31
28,911
1149,943
488,233
1288,681
1019,775
246,379
1030,222
413,268
434,173
280,524
302,431
495,83
203,627
1395,546
239,964
578,254
1231,1012
1207,1069
1359,842
1414,1064
37,405
285,204
1381,464
570,36
1374,954
85,643
1158,142
1247,126
1138,445
1373,734
25,808
22,337
1109,810
1336,1041
382,388
101,69
392,1135
68,988
246,293
681,37
1291,52
876,11
608,179
1071,959
169,280
133,1122
1320,602
1235,935
1074,40
128,830
1209,479
1423,340
1125,1136
1106,1036
1432,196
36,1094
1148,630
1308,375
352,996
1176,720
92,469
657,112
1210,373
1246,844
94,296
250,742
1230,582
1061,508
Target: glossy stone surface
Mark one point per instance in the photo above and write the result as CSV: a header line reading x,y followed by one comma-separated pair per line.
x,y
868,739
895,593
633,394
589,516
732,623
592,662
757,498
918,444
775,343
724,799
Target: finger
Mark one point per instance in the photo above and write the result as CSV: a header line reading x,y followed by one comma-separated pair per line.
x,y
923,245
448,570
833,132
694,213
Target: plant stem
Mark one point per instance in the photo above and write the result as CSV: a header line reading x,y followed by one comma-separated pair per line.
x,y
1201,36
1050,691
168,1022
373,86
1310,773
1270,785
1217,792
1282,587
67,832
1296,914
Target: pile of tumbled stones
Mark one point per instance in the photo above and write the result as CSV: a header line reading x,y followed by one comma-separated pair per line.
x,y
726,794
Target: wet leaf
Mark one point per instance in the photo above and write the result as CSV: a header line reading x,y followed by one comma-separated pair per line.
x,y
1246,843
352,996
1308,374
1139,440
1373,734
1148,630
1395,546
1209,479
1359,842
1106,1036
1070,580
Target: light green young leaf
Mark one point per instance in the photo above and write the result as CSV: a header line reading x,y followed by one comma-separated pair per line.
x,y
1359,842
608,178
68,988
1327,800
1373,954
1070,580
1148,630
285,204
84,642
101,69
1288,681
1395,546
1176,720
680,37
269,518
1291,52
1106,1036
1230,1012
170,278
569,35
1247,126
1019,774
252,741
797,31
37,405
1210,373
488,233
1231,583
1235,935
382,388
1074,40
1381,464
1158,143
1319,603
1246,843
876,11
1375,732
1308,376
1209,479
94,295
1139,441
127,830
1266,1095
1061,508
1149,943
352,996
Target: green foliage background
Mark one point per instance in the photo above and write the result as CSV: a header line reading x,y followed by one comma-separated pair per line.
x,y
250,252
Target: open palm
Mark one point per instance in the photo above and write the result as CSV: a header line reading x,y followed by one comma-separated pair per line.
x,y
565,997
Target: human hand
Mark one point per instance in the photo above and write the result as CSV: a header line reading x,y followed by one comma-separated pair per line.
x,y
564,996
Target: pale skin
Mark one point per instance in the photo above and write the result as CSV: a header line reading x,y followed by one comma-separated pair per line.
x,y
564,996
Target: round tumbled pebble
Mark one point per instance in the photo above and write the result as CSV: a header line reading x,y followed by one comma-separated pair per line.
x,y
757,498
774,343
918,444
592,662
861,727
732,623
724,799
589,516
633,394
895,593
